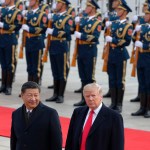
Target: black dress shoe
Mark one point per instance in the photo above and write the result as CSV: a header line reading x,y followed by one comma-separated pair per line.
x,y
81,103
140,112
78,90
136,99
50,87
60,99
147,114
52,99
112,106
107,95
118,109
3,89
8,91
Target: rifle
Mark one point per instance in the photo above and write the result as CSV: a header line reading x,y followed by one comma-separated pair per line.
x,y
45,56
106,52
137,9
133,73
75,53
23,41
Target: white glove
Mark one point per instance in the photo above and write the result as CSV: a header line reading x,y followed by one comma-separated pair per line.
x,y
137,28
106,15
49,31
80,11
25,27
108,39
50,16
77,19
77,34
1,24
135,18
24,12
54,6
139,44
108,23
27,3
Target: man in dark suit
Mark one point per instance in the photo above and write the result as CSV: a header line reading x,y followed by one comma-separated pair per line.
x,y
106,131
34,125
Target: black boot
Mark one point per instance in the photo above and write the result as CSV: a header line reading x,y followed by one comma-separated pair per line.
x,y
30,77
3,86
120,95
36,79
9,83
82,101
142,108
113,92
41,73
108,94
62,87
14,74
136,99
147,113
78,90
56,90
50,87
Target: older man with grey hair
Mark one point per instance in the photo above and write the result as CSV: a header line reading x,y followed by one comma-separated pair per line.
x,y
95,126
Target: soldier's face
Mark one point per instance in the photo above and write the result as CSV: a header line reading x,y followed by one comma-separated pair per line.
x,y
119,12
59,6
147,17
93,98
115,4
144,8
88,9
31,98
32,3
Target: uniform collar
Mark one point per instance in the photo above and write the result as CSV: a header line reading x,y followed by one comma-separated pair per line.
x,y
34,10
11,7
60,14
122,21
91,17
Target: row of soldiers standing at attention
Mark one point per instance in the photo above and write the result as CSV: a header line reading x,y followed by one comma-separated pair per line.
x,y
39,23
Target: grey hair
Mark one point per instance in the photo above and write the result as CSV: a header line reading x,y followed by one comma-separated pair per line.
x,y
91,86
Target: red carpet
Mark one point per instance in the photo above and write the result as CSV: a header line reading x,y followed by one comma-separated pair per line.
x,y
134,139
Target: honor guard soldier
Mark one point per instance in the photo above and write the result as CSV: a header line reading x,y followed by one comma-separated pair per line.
x,y
143,61
36,25
111,16
137,20
88,35
44,8
121,32
60,34
10,23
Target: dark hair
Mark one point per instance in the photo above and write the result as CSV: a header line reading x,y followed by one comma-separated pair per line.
x,y
30,85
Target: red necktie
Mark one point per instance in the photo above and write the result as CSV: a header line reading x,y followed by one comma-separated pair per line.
x,y
86,130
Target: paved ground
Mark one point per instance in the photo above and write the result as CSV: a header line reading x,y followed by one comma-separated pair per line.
x,y
66,108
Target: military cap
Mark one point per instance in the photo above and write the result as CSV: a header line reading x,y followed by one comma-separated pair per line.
x,y
93,3
64,1
125,6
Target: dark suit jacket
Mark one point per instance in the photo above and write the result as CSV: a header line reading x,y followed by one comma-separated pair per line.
x,y
43,132
106,133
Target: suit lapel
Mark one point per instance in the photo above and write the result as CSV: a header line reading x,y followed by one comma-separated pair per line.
x,y
99,119
81,121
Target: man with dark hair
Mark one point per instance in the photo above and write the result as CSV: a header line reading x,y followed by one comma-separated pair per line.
x,y
34,125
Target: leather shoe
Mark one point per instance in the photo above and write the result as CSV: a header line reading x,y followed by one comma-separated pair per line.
x,y
136,99
52,99
147,114
8,91
81,103
78,90
50,87
60,99
140,112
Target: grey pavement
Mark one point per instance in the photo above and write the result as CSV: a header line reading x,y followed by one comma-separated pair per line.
x,y
73,83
